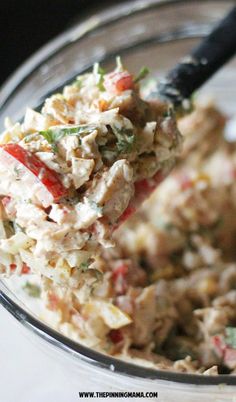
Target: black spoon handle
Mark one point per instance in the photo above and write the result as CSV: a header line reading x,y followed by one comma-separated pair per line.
x,y
214,51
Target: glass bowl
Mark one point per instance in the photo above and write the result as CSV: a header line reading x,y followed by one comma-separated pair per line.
x,y
154,33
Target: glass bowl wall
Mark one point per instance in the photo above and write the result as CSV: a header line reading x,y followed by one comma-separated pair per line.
x,y
151,33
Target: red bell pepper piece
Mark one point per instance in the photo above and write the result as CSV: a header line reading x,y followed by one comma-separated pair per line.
x,y
116,336
46,176
118,82
119,278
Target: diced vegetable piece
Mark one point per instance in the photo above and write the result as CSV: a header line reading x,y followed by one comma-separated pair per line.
x,y
127,213
224,351
121,269
46,176
230,357
142,74
32,290
53,301
143,188
25,269
219,345
112,316
119,278
118,82
146,186
116,336
13,267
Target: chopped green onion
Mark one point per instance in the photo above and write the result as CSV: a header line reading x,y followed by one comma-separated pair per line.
x,y
142,74
99,73
125,139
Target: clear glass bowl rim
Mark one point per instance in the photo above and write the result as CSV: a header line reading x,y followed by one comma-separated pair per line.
x,y
104,18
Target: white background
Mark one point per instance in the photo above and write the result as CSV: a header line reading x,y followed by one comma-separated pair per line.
x,y
26,373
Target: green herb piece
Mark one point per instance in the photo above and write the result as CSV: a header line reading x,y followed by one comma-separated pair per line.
x,y
231,336
125,139
17,172
169,112
53,135
165,114
84,266
99,74
142,74
32,290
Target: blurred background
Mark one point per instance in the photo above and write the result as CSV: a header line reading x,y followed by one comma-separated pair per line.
x,y
25,25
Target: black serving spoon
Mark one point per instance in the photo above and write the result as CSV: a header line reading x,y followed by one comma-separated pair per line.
x,y
194,70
